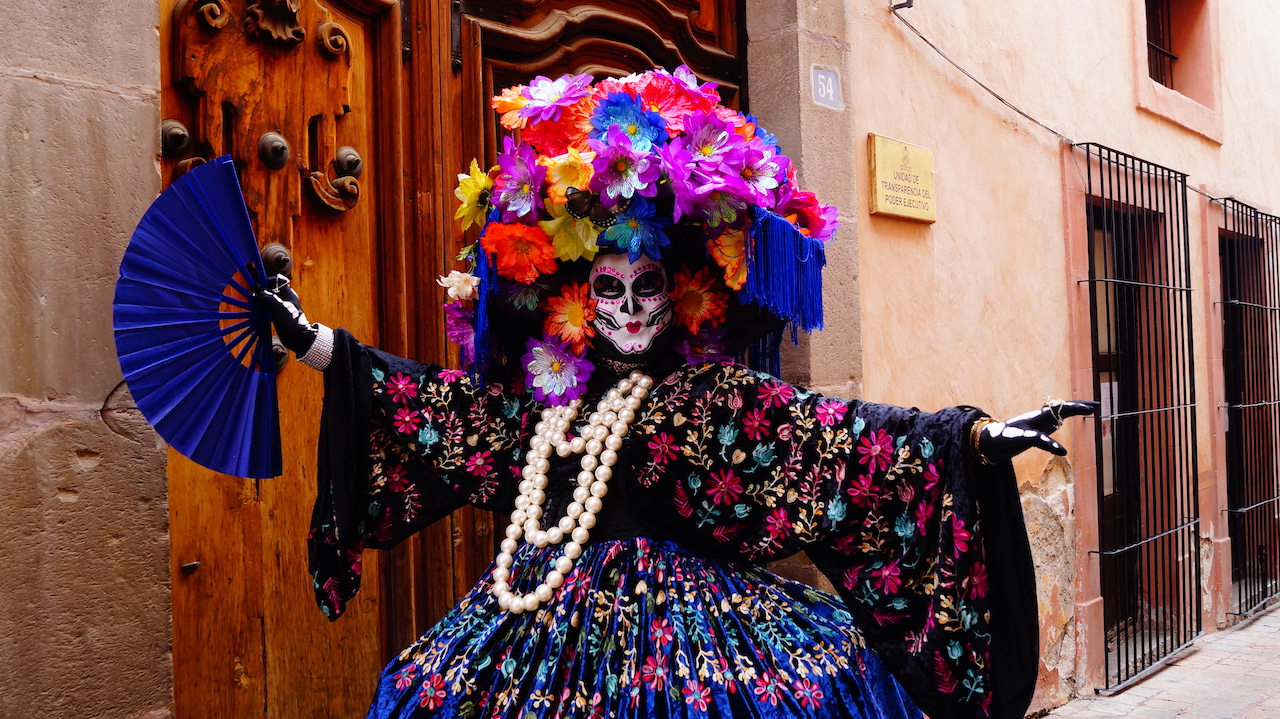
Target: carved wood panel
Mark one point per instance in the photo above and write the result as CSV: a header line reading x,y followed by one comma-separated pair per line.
x,y
297,92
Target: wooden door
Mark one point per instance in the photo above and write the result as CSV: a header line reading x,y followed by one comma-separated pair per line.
x,y
295,91
463,53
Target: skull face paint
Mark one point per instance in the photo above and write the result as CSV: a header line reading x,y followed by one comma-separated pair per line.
x,y
632,304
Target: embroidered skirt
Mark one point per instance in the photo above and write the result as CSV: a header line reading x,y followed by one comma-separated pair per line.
x,y
643,628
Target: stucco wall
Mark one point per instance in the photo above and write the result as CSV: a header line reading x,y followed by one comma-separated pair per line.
x,y
84,598
977,308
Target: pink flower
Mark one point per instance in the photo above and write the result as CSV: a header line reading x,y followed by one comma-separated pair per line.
x,y
861,491
654,672
876,451
547,98
697,695
663,448
402,387
724,487
960,535
405,676
431,695
768,689
775,394
777,523
808,693
831,411
887,578
398,478
450,375
479,464
660,631
406,420
931,475
976,582
755,425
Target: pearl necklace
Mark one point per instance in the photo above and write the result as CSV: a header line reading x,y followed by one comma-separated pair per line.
x,y
599,444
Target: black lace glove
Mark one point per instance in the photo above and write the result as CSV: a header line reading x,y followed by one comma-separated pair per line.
x,y
993,440
295,333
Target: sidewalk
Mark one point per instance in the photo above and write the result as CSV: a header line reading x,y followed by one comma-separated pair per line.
x,y
1232,673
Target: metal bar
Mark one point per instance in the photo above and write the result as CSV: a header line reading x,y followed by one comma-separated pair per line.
x,y
1186,523
1140,284
1255,505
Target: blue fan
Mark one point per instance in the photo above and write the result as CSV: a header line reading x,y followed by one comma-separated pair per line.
x,y
194,346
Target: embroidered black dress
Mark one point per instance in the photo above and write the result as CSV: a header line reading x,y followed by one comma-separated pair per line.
x,y
665,613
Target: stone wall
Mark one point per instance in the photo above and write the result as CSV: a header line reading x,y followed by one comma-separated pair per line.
x,y
84,594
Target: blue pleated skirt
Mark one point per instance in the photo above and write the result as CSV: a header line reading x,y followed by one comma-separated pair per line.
x,y
643,628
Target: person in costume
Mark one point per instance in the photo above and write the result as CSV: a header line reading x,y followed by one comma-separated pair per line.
x,y
636,239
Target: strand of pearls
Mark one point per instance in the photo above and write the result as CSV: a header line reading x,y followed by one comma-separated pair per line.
x,y
598,444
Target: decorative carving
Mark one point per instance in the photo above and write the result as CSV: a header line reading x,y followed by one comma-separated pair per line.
x,y
274,20
333,39
213,13
340,194
175,138
273,150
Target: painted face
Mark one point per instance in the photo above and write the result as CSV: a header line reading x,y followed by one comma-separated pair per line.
x,y
632,304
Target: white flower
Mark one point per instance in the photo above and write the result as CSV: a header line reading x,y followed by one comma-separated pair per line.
x,y
460,285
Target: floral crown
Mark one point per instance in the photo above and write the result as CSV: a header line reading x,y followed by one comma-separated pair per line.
x,y
649,164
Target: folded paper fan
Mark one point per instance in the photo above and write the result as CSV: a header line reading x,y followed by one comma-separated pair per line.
x,y
194,345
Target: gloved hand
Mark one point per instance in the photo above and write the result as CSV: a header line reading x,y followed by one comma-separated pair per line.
x,y
295,333
997,441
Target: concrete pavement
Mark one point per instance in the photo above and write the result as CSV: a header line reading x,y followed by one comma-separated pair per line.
x,y
1232,673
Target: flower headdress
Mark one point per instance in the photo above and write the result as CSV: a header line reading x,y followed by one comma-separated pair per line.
x,y
648,164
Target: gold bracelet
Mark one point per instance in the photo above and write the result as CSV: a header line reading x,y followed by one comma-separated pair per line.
x,y
975,433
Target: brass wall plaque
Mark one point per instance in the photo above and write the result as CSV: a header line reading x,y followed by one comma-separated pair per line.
x,y
901,179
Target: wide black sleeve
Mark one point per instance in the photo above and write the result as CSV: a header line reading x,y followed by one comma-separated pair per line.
x,y
402,444
926,548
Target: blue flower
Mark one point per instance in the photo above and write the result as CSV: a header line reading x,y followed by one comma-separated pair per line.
x,y
765,136
638,231
646,128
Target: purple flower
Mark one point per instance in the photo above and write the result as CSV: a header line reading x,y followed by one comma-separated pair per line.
x,y
520,184
638,231
547,98
711,142
622,171
723,205
761,172
689,81
554,374
459,328
677,165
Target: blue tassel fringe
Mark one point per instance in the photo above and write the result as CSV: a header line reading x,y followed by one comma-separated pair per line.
x,y
784,272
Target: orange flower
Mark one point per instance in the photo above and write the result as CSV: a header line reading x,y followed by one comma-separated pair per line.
x,y
523,251
569,316
729,250
696,300
509,104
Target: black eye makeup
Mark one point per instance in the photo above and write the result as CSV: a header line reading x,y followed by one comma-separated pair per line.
x,y
608,287
649,284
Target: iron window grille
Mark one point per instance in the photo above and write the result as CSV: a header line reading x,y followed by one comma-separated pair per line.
x,y
1160,57
1249,258
1143,371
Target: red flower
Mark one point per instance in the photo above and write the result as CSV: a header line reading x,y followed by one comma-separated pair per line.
x,y
876,450
660,631
775,394
569,316
861,491
479,464
663,448
777,523
831,411
524,251
755,425
724,487
431,695
697,695
398,478
405,676
976,583
402,387
654,672
808,693
768,689
406,420
887,578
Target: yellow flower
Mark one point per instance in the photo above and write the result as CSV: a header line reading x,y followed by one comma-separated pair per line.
x,y
572,169
729,250
571,238
473,191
